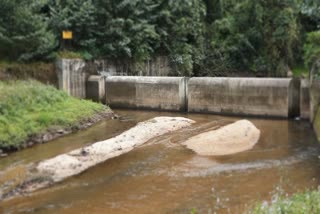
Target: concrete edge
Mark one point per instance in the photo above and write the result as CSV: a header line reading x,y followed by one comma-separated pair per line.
x,y
316,124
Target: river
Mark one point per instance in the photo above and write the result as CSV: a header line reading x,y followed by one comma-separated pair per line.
x,y
164,177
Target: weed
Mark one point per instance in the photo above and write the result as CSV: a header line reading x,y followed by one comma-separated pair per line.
x,y
307,202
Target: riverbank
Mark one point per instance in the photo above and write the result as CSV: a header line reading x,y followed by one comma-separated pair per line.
x,y
32,113
307,202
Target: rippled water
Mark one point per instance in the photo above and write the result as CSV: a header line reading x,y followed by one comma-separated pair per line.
x,y
164,177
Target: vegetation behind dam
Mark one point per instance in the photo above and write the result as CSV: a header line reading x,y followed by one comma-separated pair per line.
x,y
201,37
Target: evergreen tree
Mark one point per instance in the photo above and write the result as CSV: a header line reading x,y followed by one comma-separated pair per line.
x,y
311,9
126,28
201,37
79,16
180,24
265,45
24,32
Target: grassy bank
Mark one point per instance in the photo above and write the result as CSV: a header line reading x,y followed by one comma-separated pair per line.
x,y
308,202
29,107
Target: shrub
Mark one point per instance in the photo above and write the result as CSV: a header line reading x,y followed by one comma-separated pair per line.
x,y
312,53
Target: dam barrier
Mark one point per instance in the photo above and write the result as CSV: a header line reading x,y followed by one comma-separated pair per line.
x,y
267,97
279,97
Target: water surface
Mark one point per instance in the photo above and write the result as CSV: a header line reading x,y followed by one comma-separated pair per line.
x,y
164,177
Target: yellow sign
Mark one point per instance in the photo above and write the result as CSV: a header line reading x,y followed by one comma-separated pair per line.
x,y
67,34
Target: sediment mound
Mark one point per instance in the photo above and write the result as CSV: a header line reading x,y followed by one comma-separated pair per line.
x,y
75,162
233,138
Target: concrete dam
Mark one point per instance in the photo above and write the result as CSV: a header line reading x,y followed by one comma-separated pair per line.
x,y
268,97
265,97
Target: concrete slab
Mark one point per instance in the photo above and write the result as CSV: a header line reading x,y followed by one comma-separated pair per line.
x,y
159,93
243,96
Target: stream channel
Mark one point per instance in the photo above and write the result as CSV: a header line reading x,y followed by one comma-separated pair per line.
x,y
164,177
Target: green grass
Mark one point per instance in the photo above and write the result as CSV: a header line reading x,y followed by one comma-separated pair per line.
x,y
74,55
300,71
70,55
300,203
29,107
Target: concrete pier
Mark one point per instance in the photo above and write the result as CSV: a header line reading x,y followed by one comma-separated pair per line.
x,y
72,76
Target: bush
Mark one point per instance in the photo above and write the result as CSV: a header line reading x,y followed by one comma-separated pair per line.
x,y
312,53
257,36
24,32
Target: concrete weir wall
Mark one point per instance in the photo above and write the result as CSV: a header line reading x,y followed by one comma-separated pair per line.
x,y
278,97
162,93
243,96
274,97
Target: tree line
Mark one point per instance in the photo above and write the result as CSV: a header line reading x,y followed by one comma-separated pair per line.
x,y
200,37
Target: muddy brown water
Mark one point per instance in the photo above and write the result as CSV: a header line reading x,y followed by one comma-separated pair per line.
x,y
164,177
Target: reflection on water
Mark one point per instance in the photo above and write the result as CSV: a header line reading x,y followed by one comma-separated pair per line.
x,y
164,177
